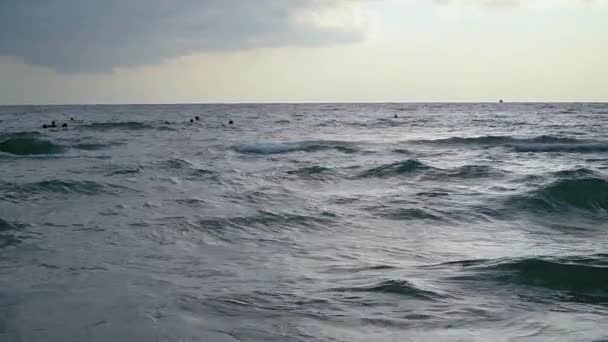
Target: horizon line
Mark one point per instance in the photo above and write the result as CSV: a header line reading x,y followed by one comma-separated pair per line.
x,y
296,102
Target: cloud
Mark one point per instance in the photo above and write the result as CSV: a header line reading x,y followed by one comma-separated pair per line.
x,y
510,3
491,3
100,35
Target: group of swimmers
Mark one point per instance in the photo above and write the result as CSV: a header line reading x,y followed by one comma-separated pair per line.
x,y
65,125
54,125
197,118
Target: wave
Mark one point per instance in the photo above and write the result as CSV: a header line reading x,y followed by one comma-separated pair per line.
x,y
311,171
413,166
355,269
16,191
399,287
26,134
30,143
472,171
8,233
260,222
126,170
128,125
387,122
544,143
302,146
499,140
580,172
404,214
586,193
266,218
328,123
572,148
7,240
26,144
482,140
577,274
5,226
395,169
186,167
91,146
176,163
167,128
192,202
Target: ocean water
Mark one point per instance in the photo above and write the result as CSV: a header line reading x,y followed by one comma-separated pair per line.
x,y
305,222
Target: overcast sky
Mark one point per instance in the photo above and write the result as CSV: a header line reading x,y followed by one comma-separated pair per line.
x,y
170,51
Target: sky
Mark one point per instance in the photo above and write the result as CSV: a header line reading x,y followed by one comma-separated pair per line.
x,y
183,51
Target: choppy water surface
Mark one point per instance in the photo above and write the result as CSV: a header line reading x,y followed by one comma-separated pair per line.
x,y
328,222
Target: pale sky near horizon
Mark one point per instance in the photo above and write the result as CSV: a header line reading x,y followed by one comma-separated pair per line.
x,y
177,51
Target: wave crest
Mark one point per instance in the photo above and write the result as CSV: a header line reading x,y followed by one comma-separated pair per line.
x,y
395,169
8,236
473,171
312,172
578,147
14,191
29,145
586,275
302,146
399,287
128,125
589,193
543,143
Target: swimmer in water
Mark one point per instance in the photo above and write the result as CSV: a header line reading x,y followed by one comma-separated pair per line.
x,y
396,116
197,118
230,122
65,125
191,121
45,126
71,119
53,125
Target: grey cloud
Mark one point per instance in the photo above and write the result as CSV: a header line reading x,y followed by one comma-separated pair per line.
x,y
498,3
100,35
491,3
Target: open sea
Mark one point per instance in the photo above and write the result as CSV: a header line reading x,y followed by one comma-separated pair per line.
x,y
304,222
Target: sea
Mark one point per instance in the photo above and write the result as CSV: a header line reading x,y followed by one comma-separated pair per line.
x,y
304,222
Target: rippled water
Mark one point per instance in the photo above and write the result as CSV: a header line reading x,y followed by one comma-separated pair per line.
x,y
328,222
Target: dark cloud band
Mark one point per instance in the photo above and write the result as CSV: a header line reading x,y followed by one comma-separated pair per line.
x,y
99,35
